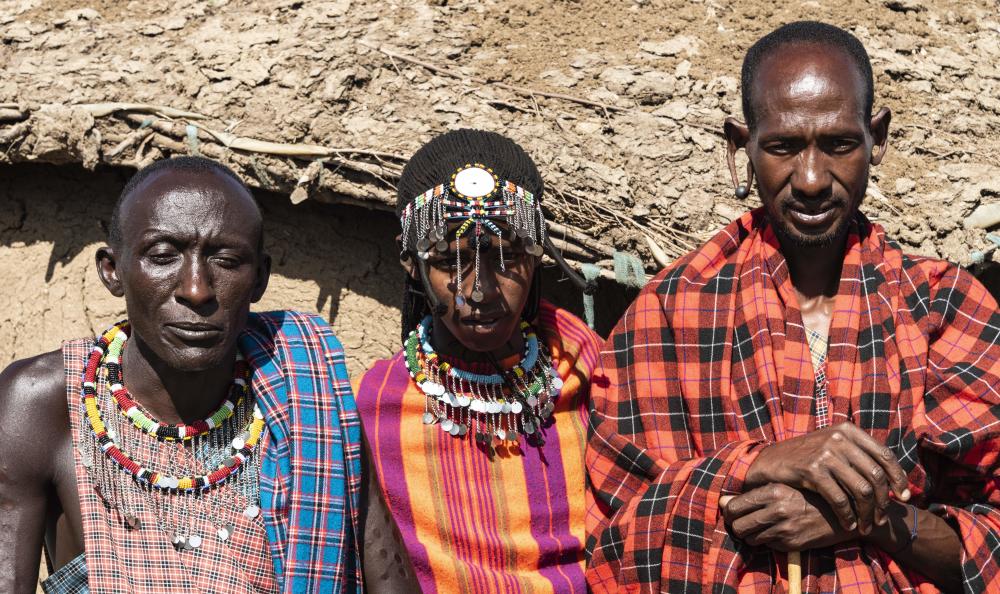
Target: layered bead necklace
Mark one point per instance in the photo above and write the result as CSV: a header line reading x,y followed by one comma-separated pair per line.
x,y
186,465
504,406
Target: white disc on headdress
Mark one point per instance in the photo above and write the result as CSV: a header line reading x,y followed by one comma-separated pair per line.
x,y
474,182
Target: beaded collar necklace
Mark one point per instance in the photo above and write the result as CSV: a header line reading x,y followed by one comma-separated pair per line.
x,y
221,445
498,406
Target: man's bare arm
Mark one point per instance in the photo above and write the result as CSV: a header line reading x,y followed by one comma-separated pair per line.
x,y
33,417
936,552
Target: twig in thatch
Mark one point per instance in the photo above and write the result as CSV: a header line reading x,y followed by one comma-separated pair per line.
x,y
659,255
14,133
130,140
581,239
105,109
12,114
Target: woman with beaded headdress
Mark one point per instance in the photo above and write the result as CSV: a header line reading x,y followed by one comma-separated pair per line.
x,y
476,429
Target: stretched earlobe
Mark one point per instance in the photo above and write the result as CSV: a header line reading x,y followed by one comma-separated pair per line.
x,y
743,190
737,135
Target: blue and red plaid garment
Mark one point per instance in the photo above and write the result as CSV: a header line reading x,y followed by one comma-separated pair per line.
x,y
311,466
711,363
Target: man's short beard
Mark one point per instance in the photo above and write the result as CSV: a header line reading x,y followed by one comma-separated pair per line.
x,y
813,241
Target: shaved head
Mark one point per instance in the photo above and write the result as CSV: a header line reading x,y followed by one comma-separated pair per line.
x,y
186,170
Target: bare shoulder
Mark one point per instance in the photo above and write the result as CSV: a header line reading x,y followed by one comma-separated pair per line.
x,y
33,406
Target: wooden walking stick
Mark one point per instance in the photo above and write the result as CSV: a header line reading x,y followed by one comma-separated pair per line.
x,y
794,572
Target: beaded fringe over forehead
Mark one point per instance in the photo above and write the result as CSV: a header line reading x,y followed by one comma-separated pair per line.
x,y
476,200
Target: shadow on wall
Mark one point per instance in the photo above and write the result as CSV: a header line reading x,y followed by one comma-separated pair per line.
x,y
339,261
989,274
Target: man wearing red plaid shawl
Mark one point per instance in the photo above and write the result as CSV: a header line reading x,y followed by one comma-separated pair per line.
x,y
798,383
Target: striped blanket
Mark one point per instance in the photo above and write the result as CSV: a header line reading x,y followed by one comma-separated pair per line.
x,y
514,523
311,467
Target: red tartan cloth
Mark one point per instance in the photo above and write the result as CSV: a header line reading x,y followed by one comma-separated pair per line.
x,y
711,363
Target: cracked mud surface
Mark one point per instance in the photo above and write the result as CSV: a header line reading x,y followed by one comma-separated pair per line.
x,y
309,72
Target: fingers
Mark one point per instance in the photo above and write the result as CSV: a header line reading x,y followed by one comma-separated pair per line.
x,y
839,501
871,472
881,454
741,505
861,492
746,527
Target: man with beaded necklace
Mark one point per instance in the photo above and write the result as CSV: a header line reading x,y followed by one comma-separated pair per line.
x,y
195,447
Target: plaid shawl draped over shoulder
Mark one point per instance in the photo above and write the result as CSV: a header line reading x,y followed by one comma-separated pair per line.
x,y
711,363
311,466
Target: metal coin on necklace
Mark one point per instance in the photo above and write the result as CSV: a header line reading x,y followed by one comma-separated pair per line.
x,y
492,406
227,439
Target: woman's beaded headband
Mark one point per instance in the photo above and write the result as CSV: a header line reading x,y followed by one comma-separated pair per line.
x,y
475,199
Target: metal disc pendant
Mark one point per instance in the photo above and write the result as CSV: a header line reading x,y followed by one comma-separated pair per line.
x,y
501,434
455,428
532,401
442,246
225,532
477,296
536,250
529,427
429,418
178,541
132,522
423,244
459,300
238,443
194,541
446,425
462,430
505,408
251,512
516,407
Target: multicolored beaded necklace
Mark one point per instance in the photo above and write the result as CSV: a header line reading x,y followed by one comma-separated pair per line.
x,y
202,456
500,406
